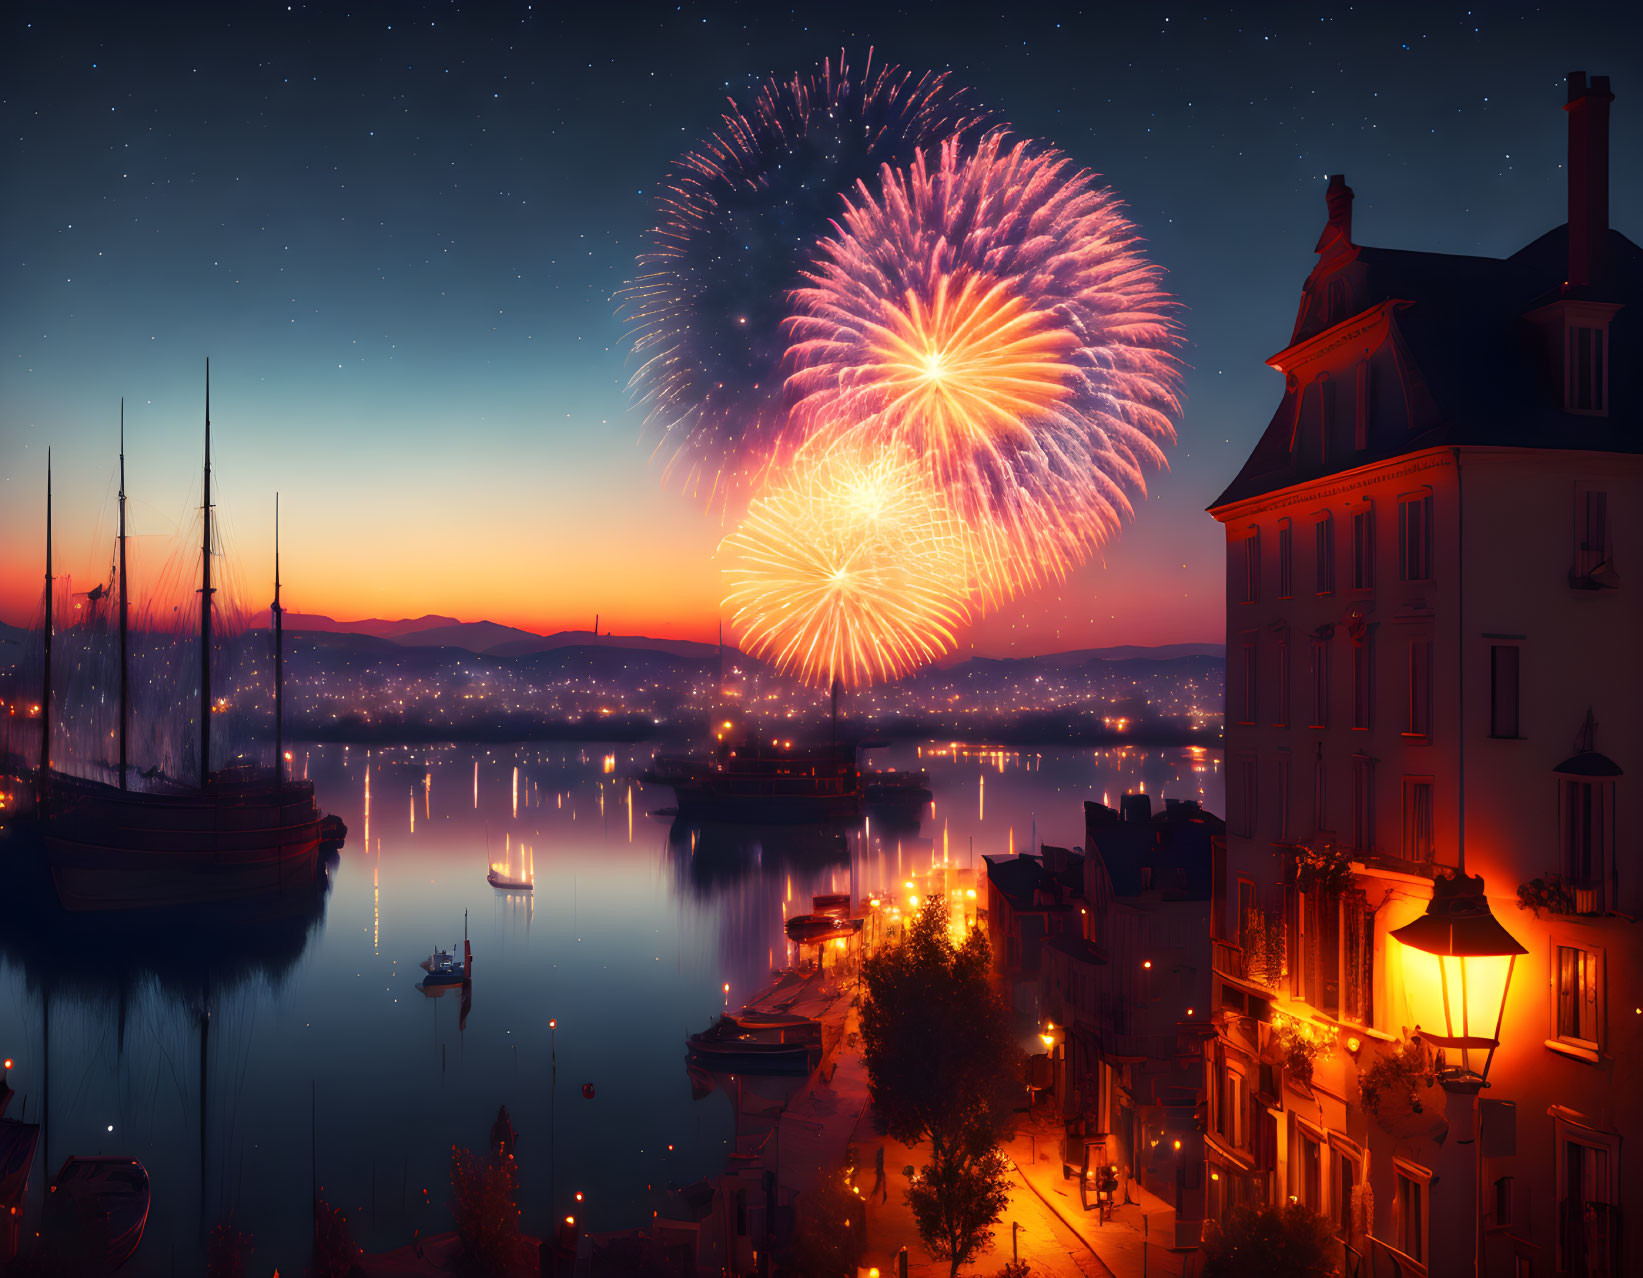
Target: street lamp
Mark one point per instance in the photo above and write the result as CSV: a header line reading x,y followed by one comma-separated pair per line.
x,y
1457,964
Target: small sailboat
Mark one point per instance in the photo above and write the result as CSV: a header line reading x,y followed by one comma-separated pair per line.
x,y
503,877
442,967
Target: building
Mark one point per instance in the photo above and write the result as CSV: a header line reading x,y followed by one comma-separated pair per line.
x,y
1030,898
1434,674
1129,995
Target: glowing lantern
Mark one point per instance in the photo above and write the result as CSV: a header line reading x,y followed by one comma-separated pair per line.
x,y
1457,963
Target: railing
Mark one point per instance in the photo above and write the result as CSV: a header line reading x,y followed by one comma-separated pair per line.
x,y
1227,959
1386,1261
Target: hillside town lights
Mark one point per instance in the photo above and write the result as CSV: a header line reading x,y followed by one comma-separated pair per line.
x,y
1457,963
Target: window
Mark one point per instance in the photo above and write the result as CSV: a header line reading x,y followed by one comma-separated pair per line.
x,y
1324,536
1282,798
1249,657
1358,957
1594,548
1363,549
1326,415
1588,1217
1409,1211
1252,567
1577,972
1503,690
1286,560
1363,680
1307,1170
1585,383
1347,1177
1363,804
1248,916
1588,834
1320,682
1233,1105
1417,819
1320,796
1246,798
1419,720
1415,538
1280,681
1360,432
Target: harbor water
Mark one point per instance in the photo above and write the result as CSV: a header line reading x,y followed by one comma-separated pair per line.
x,y
250,1056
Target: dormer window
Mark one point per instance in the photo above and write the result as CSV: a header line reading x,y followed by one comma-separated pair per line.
x,y
1586,369
1576,333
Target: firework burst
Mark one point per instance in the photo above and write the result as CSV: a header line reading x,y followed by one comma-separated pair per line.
x,y
851,566
992,313
740,216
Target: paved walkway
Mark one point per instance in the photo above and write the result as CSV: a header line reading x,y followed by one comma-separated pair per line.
x,y
1052,1233
1131,1243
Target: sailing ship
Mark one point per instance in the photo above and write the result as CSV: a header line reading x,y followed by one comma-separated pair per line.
x,y
777,784
242,831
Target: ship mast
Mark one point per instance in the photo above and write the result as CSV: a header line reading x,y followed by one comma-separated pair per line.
x,y
125,602
205,600
45,696
279,659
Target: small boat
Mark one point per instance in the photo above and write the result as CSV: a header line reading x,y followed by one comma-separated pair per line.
x,y
765,1050
503,877
108,1192
818,929
442,967
790,1024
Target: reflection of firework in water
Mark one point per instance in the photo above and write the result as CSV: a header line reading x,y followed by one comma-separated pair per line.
x,y
851,566
992,313
740,218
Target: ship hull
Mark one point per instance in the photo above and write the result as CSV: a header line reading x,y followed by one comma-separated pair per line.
x,y
700,803
114,850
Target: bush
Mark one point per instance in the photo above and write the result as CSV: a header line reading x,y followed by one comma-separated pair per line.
x,y
335,1252
1266,1242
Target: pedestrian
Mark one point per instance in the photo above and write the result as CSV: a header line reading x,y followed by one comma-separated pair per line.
x,y
879,1187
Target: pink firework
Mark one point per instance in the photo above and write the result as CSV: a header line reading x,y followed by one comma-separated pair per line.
x,y
739,219
992,313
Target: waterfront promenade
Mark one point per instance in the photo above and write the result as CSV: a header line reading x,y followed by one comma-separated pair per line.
x,y
1052,1233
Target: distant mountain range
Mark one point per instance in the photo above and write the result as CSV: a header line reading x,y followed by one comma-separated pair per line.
x,y
492,639
488,637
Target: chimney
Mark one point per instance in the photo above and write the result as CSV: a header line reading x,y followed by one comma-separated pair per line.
x,y
1588,108
1338,199
1335,244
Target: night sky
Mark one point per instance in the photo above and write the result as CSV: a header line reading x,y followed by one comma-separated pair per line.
x,y
396,230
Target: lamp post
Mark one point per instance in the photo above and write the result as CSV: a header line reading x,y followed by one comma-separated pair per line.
x,y
1457,965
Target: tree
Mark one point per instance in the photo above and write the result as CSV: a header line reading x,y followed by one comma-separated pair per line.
x,y
831,1223
1265,1242
956,1199
485,1210
942,1063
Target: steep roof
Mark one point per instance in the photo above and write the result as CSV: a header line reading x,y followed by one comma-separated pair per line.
x,y
1461,363
1020,879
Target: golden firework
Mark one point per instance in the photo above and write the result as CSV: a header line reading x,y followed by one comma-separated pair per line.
x,y
850,566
